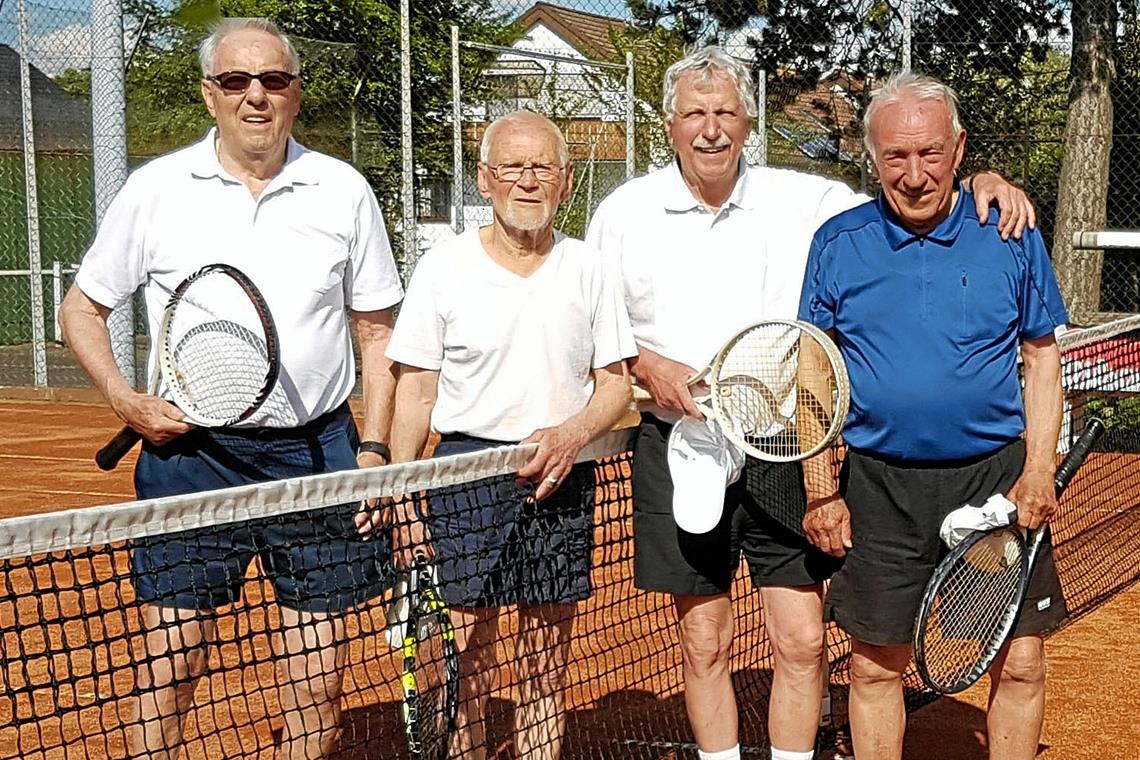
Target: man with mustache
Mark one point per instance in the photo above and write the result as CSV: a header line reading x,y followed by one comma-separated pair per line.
x,y
707,246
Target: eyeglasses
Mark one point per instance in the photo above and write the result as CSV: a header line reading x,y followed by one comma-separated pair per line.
x,y
239,81
514,172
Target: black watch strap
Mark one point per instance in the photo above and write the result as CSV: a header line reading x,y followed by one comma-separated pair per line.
x,y
375,447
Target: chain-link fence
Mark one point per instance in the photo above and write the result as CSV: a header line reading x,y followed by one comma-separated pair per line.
x,y
578,62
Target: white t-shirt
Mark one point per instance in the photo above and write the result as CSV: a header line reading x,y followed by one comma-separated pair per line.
x,y
693,279
314,244
514,354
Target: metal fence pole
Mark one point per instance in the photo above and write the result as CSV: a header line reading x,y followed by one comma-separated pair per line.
x,y
109,150
907,9
456,135
411,253
35,276
761,152
630,168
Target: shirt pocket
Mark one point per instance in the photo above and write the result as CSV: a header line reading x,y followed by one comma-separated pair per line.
x,y
988,306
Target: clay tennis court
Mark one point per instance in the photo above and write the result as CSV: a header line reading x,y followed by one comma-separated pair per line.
x,y
66,671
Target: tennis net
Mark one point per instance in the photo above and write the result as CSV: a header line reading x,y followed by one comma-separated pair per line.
x,y
72,635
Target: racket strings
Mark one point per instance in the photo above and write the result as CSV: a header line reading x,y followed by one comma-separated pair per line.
x,y
757,391
972,608
431,713
218,355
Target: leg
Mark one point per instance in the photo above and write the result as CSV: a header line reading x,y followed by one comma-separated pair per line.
x,y
876,709
311,653
1017,700
795,626
544,641
705,626
476,630
175,643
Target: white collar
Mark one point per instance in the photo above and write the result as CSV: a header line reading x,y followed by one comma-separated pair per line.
x,y
677,196
204,163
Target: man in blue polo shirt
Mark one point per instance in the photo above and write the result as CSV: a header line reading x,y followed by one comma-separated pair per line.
x,y
930,310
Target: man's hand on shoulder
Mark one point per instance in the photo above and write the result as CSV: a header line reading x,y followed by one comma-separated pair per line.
x,y
827,524
666,380
1035,497
1015,210
158,421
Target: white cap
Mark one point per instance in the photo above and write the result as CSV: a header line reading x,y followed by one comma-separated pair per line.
x,y
702,463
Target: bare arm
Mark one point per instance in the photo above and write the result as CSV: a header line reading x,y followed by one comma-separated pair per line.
x,y
1033,493
1015,210
827,523
558,447
410,422
84,324
666,380
378,379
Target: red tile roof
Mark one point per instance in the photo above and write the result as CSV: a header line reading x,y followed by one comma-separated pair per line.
x,y
589,33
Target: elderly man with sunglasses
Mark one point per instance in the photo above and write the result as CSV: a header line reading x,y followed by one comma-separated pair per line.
x,y
307,229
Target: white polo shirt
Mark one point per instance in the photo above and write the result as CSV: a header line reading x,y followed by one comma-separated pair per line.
x,y
314,243
514,354
693,279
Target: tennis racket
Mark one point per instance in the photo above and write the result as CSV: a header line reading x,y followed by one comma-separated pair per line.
x,y
217,354
430,678
972,602
779,390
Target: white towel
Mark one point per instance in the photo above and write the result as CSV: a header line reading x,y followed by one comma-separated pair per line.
x,y
996,512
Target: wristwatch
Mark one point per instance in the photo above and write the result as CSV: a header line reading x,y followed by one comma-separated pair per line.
x,y
375,447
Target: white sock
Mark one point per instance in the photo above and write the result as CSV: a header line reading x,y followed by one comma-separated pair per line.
x,y
732,753
787,754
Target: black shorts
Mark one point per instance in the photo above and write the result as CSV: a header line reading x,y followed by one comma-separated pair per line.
x,y
316,559
674,561
494,546
896,512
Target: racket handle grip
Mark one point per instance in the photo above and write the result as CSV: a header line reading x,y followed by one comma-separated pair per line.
x,y
1077,454
108,456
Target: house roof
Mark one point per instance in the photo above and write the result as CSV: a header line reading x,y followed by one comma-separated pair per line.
x,y
60,120
587,32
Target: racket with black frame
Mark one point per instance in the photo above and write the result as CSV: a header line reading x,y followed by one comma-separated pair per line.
x,y
217,354
973,600
430,678
778,388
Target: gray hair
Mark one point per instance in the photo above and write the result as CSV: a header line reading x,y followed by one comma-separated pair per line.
x,y
910,84
489,134
707,63
226,26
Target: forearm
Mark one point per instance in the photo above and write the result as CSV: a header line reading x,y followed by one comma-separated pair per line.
x,y
1043,408
411,421
608,404
377,372
84,326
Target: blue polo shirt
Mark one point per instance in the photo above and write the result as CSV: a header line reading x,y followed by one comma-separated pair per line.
x,y
930,326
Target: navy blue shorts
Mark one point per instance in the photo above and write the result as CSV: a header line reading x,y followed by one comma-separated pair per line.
x,y
495,547
316,560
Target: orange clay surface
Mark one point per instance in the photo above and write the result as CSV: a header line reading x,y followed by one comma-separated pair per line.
x,y
623,670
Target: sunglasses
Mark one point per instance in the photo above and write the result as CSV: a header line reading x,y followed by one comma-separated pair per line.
x,y
239,81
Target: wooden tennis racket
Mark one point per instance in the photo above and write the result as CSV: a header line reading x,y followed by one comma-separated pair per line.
x,y
779,390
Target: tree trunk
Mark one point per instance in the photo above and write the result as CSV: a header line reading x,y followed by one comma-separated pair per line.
x,y
1082,192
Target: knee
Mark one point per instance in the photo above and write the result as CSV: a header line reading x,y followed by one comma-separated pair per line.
x,y
542,676
1025,665
800,648
878,666
314,689
706,645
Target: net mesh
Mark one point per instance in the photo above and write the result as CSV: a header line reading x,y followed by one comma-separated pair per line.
x,y
73,637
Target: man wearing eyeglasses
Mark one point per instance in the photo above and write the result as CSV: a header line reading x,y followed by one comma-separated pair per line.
x,y
512,333
308,231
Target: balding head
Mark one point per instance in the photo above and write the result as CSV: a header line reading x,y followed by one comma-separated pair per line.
x,y
524,120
